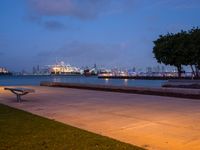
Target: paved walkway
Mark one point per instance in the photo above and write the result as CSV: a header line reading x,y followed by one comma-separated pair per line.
x,y
157,123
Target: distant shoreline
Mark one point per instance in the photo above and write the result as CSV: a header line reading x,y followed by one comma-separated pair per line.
x,y
145,77
5,74
110,77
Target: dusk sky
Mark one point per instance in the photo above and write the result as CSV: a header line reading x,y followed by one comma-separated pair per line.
x,y
110,33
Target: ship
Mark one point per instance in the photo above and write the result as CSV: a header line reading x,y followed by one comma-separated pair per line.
x,y
4,71
61,68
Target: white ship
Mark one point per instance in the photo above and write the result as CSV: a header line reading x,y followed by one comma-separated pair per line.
x,y
64,69
4,71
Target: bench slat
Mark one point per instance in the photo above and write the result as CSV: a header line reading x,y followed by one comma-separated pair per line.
x,y
23,90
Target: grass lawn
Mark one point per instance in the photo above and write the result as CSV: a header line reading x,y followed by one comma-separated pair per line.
x,y
21,130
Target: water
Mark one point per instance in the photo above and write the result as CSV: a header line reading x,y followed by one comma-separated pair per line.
x,y
35,80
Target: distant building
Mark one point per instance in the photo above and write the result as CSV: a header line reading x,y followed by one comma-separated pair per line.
x,y
34,70
149,70
24,72
134,69
163,69
38,68
157,69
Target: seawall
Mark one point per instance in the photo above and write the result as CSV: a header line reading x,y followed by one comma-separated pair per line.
x,y
170,92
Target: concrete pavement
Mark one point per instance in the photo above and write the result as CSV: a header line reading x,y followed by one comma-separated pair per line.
x,y
153,122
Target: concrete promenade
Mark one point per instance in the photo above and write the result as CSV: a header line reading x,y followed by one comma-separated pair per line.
x,y
153,122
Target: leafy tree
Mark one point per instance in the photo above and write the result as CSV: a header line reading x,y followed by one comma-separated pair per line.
x,y
182,48
194,55
168,51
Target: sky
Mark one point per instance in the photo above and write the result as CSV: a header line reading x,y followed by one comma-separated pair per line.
x,y
109,33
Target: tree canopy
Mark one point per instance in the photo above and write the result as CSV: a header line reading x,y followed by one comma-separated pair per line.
x,y
182,48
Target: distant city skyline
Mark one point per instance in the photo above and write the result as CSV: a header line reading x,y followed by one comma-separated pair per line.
x,y
112,33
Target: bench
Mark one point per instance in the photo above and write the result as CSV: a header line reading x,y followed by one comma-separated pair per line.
x,y
20,92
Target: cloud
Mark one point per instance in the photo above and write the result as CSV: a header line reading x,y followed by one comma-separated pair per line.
x,y
45,12
80,9
84,10
52,25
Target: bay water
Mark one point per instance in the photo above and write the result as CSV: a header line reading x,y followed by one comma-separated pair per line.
x,y
36,79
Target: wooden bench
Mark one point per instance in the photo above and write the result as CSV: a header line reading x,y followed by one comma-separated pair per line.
x,y
20,92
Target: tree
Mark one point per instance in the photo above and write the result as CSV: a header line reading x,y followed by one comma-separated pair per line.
x,y
182,48
167,50
194,55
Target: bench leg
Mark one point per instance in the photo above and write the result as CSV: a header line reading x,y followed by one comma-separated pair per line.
x,y
18,98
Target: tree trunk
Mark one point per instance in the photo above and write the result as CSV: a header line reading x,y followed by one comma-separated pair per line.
x,y
197,70
193,71
179,68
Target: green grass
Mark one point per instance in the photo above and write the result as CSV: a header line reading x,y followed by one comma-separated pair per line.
x,y
21,130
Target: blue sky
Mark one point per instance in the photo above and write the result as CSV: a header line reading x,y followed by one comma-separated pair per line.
x,y
110,33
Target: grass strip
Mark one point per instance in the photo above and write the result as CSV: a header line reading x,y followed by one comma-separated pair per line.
x,y
20,130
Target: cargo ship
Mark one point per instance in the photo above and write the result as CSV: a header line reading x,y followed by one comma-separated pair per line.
x,y
61,68
4,71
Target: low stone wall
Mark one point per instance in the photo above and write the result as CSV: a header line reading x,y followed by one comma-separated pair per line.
x,y
171,92
190,84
